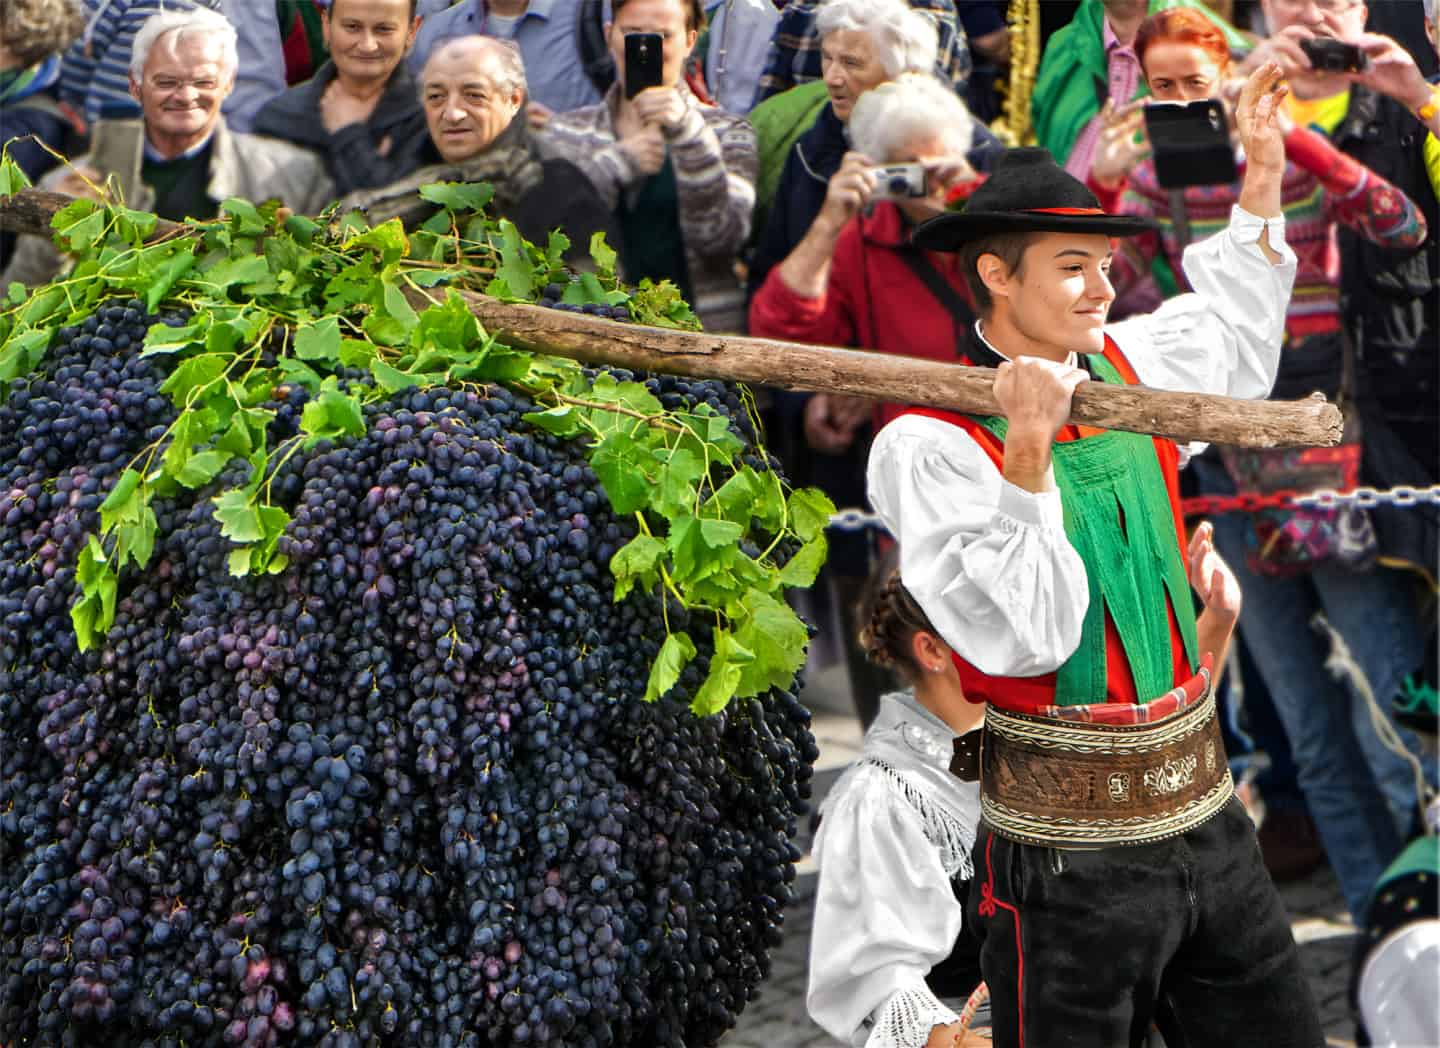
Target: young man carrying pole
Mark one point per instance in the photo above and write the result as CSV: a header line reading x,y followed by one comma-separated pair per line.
x,y
1118,882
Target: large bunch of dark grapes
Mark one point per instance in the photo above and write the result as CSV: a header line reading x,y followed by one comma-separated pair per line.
x,y
403,793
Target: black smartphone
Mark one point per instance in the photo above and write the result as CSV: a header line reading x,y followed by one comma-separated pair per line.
x,y
644,57
1190,143
1328,55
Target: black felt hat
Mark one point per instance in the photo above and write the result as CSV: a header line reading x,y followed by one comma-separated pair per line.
x,y
1026,193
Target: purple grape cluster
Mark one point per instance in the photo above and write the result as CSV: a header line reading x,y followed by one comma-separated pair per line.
x,y
553,293
404,792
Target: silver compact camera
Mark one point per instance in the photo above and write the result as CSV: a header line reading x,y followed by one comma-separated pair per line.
x,y
900,181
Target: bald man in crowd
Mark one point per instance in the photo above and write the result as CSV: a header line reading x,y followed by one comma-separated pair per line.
x,y
473,92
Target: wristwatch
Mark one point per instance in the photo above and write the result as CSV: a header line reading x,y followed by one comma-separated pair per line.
x,y
1427,112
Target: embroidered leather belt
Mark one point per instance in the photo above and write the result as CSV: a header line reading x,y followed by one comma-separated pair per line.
x,y
1074,784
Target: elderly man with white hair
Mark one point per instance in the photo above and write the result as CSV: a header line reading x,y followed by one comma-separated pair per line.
x,y
473,91
187,161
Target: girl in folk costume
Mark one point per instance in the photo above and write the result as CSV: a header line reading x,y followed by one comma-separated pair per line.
x,y
1117,879
889,946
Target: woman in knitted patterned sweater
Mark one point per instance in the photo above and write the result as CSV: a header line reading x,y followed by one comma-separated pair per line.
x,y
1185,58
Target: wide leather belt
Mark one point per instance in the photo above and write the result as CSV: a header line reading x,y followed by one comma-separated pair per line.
x,y
1075,784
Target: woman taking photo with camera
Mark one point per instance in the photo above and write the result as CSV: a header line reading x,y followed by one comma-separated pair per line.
x,y
854,280
1359,794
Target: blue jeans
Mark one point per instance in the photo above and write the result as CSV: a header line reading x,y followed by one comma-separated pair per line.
x,y
1361,795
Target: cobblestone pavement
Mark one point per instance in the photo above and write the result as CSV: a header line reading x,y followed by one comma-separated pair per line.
x,y
777,1018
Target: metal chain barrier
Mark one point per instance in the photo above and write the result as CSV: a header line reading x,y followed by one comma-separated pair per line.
x,y
1403,495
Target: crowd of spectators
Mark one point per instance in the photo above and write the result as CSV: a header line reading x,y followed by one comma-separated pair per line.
x,y
747,177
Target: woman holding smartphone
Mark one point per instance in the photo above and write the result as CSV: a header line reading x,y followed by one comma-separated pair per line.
x,y
679,174
1357,791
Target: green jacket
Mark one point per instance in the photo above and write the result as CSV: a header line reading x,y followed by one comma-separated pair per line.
x,y
1073,73
778,122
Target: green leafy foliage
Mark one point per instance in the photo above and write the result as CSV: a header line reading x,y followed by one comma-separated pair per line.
x,y
277,302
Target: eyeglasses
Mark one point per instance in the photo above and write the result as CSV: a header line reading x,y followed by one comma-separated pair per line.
x,y
170,84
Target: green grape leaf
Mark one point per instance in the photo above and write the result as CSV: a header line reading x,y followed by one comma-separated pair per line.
x,y
397,306
735,499
555,249
616,461
587,291
630,395
718,534
299,374
494,363
458,196
79,225
694,543
778,639
810,512
800,570
391,379
431,277
356,353
244,217
164,276
136,542
235,272
386,240
448,326
21,354
239,520
726,670
636,561
238,562
332,414
675,654
562,421
245,432
95,611
604,257
302,229
201,468
123,504
162,338
194,374
134,226
319,341
515,270
40,305
12,176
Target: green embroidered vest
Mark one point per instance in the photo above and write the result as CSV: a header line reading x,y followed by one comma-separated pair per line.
x,y
1119,520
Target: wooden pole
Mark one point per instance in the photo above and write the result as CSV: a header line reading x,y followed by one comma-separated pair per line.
x,y
1182,417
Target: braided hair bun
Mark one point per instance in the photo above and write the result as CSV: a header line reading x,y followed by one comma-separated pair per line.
x,y
892,617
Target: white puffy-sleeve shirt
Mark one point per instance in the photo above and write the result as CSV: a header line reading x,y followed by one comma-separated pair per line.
x,y
989,562
895,830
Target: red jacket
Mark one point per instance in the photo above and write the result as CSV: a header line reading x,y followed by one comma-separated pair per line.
x,y
874,299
